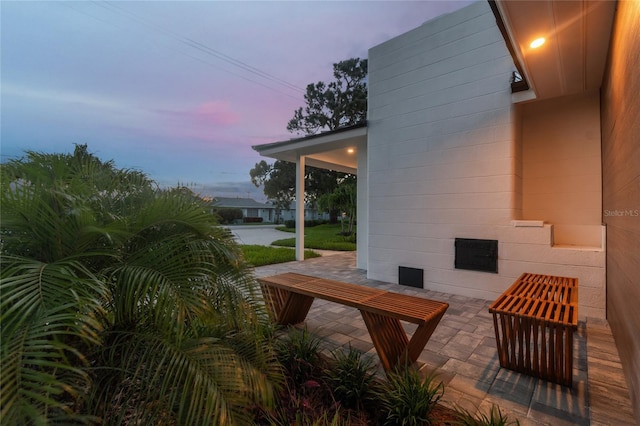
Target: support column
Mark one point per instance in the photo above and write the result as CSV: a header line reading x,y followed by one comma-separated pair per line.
x,y
300,165
362,253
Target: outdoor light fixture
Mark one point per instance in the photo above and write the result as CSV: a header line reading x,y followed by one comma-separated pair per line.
x,y
351,150
537,43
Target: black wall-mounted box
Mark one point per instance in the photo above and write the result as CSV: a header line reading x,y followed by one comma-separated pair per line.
x,y
476,255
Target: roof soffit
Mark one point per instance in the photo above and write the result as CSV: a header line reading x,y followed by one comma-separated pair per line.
x,y
577,33
328,151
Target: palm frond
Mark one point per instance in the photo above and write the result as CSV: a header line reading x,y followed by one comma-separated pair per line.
x,y
48,314
117,294
200,380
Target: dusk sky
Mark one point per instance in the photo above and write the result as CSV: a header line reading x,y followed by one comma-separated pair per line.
x,y
178,90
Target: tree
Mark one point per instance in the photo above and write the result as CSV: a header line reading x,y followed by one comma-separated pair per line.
x,y
343,199
340,103
122,302
279,182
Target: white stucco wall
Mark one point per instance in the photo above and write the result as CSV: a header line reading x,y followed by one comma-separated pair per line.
x,y
445,161
441,145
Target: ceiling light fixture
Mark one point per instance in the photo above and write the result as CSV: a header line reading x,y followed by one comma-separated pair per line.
x,y
351,150
537,43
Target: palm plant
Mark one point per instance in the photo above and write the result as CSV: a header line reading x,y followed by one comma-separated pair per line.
x,y
122,302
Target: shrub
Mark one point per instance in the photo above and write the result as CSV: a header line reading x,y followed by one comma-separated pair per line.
x,y
252,220
351,376
495,418
307,223
299,354
406,399
228,215
303,400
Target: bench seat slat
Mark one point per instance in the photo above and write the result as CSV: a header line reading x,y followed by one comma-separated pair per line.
x,y
336,291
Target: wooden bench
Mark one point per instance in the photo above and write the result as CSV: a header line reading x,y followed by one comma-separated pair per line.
x,y
289,297
534,321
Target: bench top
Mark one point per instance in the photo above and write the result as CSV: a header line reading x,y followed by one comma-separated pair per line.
x,y
543,297
404,307
548,279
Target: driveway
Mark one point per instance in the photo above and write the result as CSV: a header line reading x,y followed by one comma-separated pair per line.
x,y
262,235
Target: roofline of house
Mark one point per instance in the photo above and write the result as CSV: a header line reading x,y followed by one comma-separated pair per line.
x,y
266,146
523,84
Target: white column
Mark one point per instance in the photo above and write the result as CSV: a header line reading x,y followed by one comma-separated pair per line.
x,y
300,163
362,256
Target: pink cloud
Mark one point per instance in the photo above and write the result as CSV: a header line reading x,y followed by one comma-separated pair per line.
x,y
212,113
216,113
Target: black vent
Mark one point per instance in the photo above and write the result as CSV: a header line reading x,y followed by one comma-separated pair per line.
x,y
477,255
412,277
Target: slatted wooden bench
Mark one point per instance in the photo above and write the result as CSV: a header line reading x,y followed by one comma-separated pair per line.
x,y
534,322
289,297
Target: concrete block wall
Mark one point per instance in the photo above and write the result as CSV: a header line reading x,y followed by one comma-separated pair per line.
x,y
441,146
445,161
531,249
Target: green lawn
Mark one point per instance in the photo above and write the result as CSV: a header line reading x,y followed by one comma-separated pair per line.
x,y
321,237
261,255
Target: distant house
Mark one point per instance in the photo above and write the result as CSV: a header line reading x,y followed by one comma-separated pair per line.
x,y
310,213
530,156
250,207
267,211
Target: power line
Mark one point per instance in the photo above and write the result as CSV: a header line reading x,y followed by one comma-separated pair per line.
x,y
201,47
243,65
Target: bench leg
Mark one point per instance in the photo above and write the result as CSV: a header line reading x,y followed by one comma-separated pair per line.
x,y
286,307
421,336
295,309
274,299
388,337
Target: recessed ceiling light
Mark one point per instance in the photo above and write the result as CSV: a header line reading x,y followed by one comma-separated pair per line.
x,y
537,43
351,150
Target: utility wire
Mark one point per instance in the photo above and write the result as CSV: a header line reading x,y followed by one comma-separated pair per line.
x,y
201,47
243,65
199,59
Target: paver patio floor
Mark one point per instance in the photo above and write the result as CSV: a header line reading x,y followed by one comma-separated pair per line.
x,y
462,352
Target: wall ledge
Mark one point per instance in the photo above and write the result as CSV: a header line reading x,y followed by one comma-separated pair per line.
x,y
576,247
527,223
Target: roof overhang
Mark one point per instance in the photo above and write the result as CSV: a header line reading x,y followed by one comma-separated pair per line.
x,y
334,150
573,58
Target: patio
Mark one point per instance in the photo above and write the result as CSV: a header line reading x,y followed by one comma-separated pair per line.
x,y
462,351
